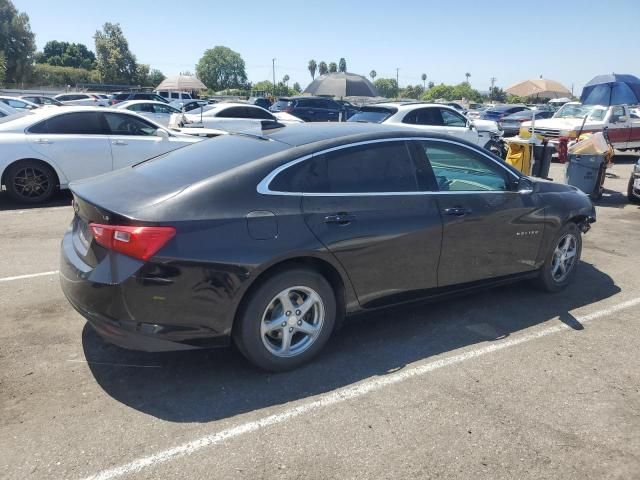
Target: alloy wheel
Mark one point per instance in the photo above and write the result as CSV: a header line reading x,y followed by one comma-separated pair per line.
x,y
292,321
564,257
31,182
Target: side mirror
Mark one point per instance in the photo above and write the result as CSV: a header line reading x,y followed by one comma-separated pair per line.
x,y
622,118
163,134
524,185
470,125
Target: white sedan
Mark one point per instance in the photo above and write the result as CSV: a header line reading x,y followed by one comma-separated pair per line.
x,y
53,147
18,103
159,112
233,117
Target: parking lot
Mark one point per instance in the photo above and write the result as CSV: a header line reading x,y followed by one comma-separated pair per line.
x,y
508,383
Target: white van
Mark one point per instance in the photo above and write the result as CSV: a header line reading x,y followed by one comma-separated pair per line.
x,y
175,97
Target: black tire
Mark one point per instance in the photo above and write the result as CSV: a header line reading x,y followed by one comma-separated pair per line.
x,y
630,195
30,181
546,279
247,333
495,148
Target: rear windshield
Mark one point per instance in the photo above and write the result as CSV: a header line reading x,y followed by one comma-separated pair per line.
x,y
372,114
207,158
281,105
121,96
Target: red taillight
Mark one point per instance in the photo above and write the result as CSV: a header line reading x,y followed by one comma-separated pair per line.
x,y
137,242
288,109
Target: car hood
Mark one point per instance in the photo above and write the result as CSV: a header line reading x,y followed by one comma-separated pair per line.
x,y
560,123
486,125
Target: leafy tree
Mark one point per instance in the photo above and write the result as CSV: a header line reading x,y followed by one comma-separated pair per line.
x,y
497,94
342,65
45,74
333,67
3,67
17,41
373,75
285,80
387,87
313,66
65,54
430,85
297,88
322,68
467,76
515,99
438,92
155,78
281,89
424,81
221,68
116,63
452,92
411,91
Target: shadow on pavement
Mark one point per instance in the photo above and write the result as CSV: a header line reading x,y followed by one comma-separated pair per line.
x,y
62,198
207,385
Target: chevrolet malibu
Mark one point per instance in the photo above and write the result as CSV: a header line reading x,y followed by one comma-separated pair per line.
x,y
270,240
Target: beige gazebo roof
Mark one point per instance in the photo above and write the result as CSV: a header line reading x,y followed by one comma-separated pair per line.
x,y
181,82
539,87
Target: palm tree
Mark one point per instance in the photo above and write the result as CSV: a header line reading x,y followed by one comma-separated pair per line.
x,y
424,81
322,68
333,67
285,80
373,75
342,65
312,69
467,75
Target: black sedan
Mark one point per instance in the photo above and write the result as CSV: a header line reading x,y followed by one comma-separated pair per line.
x,y
270,240
511,123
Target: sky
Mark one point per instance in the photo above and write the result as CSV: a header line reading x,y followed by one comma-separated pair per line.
x,y
567,41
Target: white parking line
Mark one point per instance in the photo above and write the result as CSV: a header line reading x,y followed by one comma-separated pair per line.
x,y
340,396
30,275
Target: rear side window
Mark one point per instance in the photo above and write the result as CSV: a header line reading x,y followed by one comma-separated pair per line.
x,y
233,112
372,114
257,113
373,168
424,116
79,123
129,125
121,96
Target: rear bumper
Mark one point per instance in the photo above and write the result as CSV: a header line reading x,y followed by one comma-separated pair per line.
x,y
144,308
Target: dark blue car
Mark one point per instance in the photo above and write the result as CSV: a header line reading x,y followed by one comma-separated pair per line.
x,y
497,112
313,109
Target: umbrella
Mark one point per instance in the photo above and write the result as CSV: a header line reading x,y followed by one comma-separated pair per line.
x,y
181,82
614,89
540,88
342,85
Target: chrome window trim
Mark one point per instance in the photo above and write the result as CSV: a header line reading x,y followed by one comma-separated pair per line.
x,y
263,186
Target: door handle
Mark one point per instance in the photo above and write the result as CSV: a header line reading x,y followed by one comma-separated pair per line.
x,y
43,141
340,218
118,142
457,211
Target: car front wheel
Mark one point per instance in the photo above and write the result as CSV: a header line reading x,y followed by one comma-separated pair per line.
x,y
30,181
562,260
287,320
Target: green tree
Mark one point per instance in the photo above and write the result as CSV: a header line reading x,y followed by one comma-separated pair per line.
x,y
51,75
411,91
281,89
424,81
155,78
430,85
65,54
452,92
515,99
496,94
387,87
3,67
115,62
285,80
297,88
17,41
313,66
373,75
333,67
342,65
441,91
221,68
322,68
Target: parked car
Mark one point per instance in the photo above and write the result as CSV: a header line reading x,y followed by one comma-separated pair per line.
x,y
81,99
173,96
192,105
271,244
633,190
159,112
312,109
511,123
498,112
45,151
128,96
233,117
8,113
455,105
260,102
18,103
433,117
41,100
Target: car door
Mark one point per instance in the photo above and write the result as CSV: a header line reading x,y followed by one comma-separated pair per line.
x,y
332,110
428,119
133,139
365,204
489,228
77,143
457,125
162,113
618,127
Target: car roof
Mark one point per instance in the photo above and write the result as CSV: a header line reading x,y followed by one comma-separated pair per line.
x,y
137,102
499,108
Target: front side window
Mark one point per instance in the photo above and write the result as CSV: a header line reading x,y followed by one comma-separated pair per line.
x,y
79,123
233,112
460,169
165,109
122,124
424,116
372,168
258,113
452,119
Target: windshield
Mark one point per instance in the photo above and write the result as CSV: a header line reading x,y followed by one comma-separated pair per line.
x,y
372,114
573,110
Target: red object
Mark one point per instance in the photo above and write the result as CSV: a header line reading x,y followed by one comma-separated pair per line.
x,y
563,151
138,242
288,109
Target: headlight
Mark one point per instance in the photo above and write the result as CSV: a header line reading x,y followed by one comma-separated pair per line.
x,y
568,133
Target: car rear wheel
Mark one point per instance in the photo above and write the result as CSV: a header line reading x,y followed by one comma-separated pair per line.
x,y
630,194
287,320
562,260
30,181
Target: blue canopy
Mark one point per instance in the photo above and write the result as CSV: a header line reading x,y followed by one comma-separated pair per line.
x,y
613,89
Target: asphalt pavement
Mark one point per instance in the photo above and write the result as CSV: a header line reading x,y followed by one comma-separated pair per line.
x,y
511,383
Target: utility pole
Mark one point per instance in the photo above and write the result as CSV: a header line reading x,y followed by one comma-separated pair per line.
x,y
493,82
397,80
273,68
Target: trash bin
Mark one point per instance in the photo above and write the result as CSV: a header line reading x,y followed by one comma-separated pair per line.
x,y
583,172
543,154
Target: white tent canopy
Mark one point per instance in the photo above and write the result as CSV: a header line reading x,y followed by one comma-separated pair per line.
x,y
181,83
